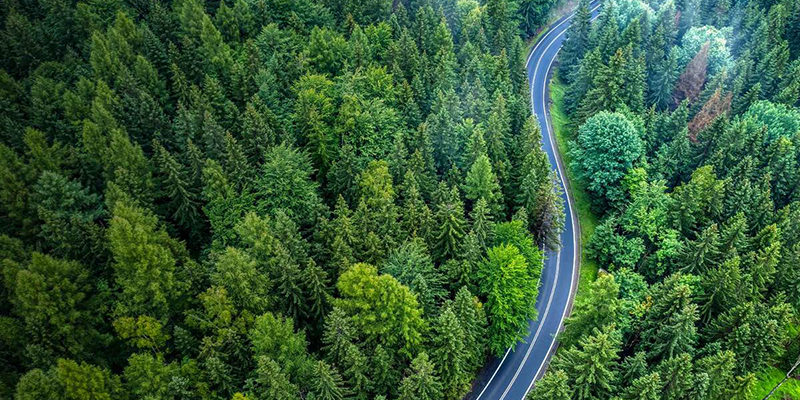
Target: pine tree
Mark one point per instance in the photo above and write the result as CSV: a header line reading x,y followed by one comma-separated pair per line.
x,y
213,137
702,254
476,143
607,88
338,335
144,262
183,199
237,272
719,367
411,265
414,210
762,261
662,81
472,319
482,227
316,285
598,309
273,381
235,162
679,380
257,132
286,272
633,90
355,366
589,67
722,286
441,124
632,368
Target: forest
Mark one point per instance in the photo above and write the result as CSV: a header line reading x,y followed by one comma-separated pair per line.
x,y
687,139
267,199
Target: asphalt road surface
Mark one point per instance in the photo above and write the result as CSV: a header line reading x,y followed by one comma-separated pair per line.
x,y
513,377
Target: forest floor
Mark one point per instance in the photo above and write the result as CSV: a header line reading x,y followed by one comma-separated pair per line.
x,y
588,219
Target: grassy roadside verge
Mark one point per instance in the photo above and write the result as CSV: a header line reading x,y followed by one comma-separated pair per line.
x,y
588,220
559,10
767,379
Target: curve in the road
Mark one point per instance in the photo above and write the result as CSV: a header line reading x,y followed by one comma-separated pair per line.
x,y
519,368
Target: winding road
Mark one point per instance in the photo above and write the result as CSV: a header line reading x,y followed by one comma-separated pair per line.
x,y
513,376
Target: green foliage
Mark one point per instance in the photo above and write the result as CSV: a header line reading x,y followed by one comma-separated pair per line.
x,y
600,307
237,272
143,332
53,299
274,338
510,290
451,225
451,355
688,210
168,171
411,265
608,146
285,183
718,53
590,364
382,309
553,385
145,261
421,381
481,183
780,120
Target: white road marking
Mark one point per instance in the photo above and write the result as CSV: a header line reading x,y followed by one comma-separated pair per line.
x,y
563,185
558,255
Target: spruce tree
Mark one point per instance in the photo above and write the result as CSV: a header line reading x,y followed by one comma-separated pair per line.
x,y
481,183
384,374
451,226
576,44
327,383
598,309
421,381
450,355
554,385
592,364
647,387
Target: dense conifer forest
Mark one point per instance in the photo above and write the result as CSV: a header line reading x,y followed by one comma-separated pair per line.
x,y
687,138
330,199
266,199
